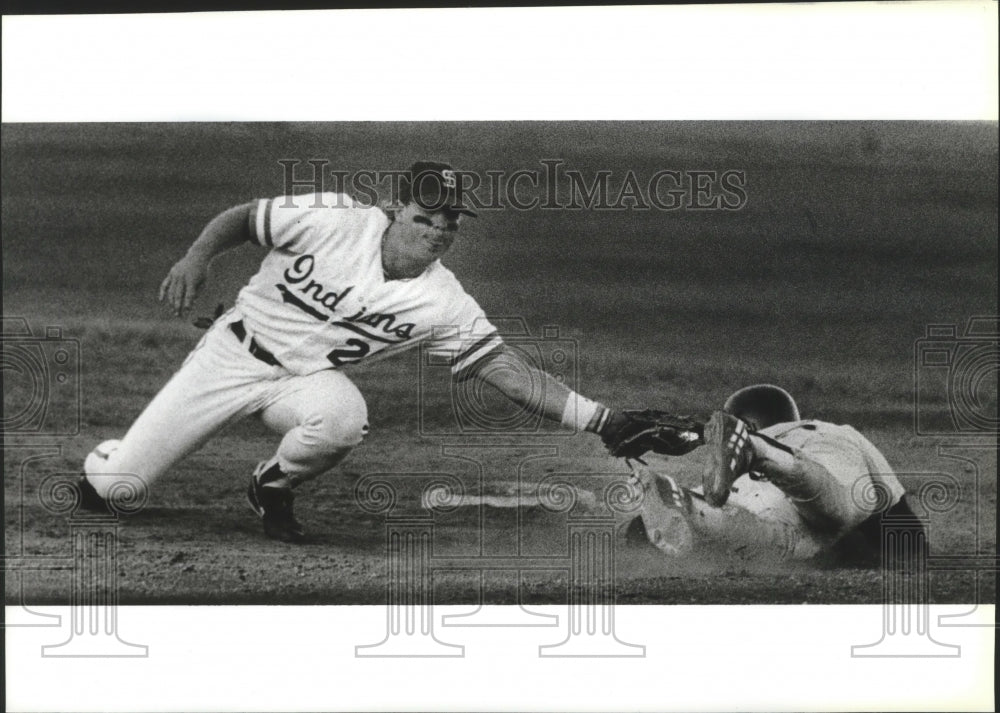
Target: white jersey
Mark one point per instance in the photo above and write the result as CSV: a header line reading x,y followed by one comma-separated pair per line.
x,y
320,299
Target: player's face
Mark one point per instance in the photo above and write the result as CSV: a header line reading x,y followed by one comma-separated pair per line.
x,y
426,234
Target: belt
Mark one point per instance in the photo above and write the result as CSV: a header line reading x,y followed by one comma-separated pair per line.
x,y
255,349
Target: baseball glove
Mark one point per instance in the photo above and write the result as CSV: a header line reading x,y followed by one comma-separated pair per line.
x,y
634,433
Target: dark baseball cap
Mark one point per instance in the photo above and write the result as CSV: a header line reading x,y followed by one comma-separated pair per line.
x,y
433,186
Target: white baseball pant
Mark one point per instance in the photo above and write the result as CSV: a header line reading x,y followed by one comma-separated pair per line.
x,y
322,416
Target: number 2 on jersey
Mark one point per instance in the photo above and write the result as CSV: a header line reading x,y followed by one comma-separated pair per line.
x,y
341,356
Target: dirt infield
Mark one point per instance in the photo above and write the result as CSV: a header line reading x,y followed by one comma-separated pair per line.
x,y
854,238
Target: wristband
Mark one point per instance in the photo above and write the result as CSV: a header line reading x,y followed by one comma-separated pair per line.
x,y
600,420
580,411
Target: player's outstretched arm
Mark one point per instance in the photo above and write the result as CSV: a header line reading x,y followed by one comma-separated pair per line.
x,y
627,434
186,278
518,381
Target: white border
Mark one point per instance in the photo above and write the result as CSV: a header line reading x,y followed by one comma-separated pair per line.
x,y
922,60
829,61
772,658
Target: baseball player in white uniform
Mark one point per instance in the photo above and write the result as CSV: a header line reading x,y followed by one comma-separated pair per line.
x,y
776,485
342,283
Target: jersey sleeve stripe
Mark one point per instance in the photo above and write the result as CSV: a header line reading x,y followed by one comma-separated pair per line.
x,y
268,238
252,224
479,351
475,347
602,420
260,216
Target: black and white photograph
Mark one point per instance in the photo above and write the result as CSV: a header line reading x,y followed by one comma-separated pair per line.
x,y
532,374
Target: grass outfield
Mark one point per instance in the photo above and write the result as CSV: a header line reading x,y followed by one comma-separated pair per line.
x,y
854,238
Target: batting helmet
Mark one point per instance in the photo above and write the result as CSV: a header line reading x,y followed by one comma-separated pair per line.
x,y
762,405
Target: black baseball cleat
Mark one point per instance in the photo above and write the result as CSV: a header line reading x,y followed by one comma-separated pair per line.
x,y
89,499
274,507
730,455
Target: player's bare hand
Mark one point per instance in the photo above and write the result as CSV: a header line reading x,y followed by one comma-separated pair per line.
x,y
182,284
